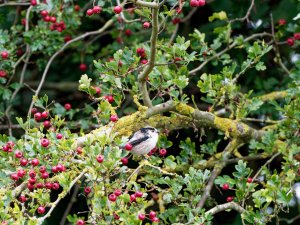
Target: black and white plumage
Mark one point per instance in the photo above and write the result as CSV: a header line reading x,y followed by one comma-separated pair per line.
x,y
144,140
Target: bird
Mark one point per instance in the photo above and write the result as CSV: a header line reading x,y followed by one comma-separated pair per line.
x,y
142,141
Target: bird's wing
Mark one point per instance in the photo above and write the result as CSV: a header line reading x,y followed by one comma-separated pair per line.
x,y
135,142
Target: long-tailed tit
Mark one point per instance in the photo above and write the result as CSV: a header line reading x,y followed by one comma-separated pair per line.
x,y
143,141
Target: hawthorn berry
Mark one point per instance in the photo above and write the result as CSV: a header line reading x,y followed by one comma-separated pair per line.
x,y
10,144
55,186
76,8
59,136
4,55
5,148
176,21
201,2
35,162
47,124
100,158
44,13
45,175
45,114
113,118
47,19
117,192
18,154
140,51
229,198
30,186
141,217
110,98
67,38
37,116
152,214
80,222
128,147
33,2
45,142
32,173
42,169
39,185
60,167
162,152
67,106
144,61
98,90
194,3
155,220
116,216
31,180
87,190
23,22
112,197
79,150
297,36
22,198
15,176
41,210
290,41
225,187
48,185
249,180
21,173
54,169
3,73
132,198
118,9
281,22
90,12
128,32
97,9
138,194
146,25
124,161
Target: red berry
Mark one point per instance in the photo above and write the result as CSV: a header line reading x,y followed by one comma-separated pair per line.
x,y
45,142
5,148
31,180
138,194
225,187
281,22
18,154
140,51
67,38
45,114
37,116
290,41
39,185
162,152
87,190
41,210
155,220
113,118
128,32
297,36
55,186
229,198
146,25
124,161
116,216
98,90
47,124
60,168
23,22
33,2
54,169
32,173
80,222
47,18
35,162
194,3
3,73
249,180
42,169
97,9
132,198
76,8
22,198
45,175
128,147
176,21
21,173
110,98
201,2
90,12
15,176
152,214
30,186
82,67
144,61
118,9
100,158
68,106
117,192
23,162
141,216
79,150
59,136
44,12
48,185
53,19
112,197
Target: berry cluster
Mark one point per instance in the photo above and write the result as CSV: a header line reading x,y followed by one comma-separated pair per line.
x,y
141,52
95,10
291,41
151,216
197,3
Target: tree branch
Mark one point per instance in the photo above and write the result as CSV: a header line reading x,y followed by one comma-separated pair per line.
x,y
226,206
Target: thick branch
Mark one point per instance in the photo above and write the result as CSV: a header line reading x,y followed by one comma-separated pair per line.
x,y
226,206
